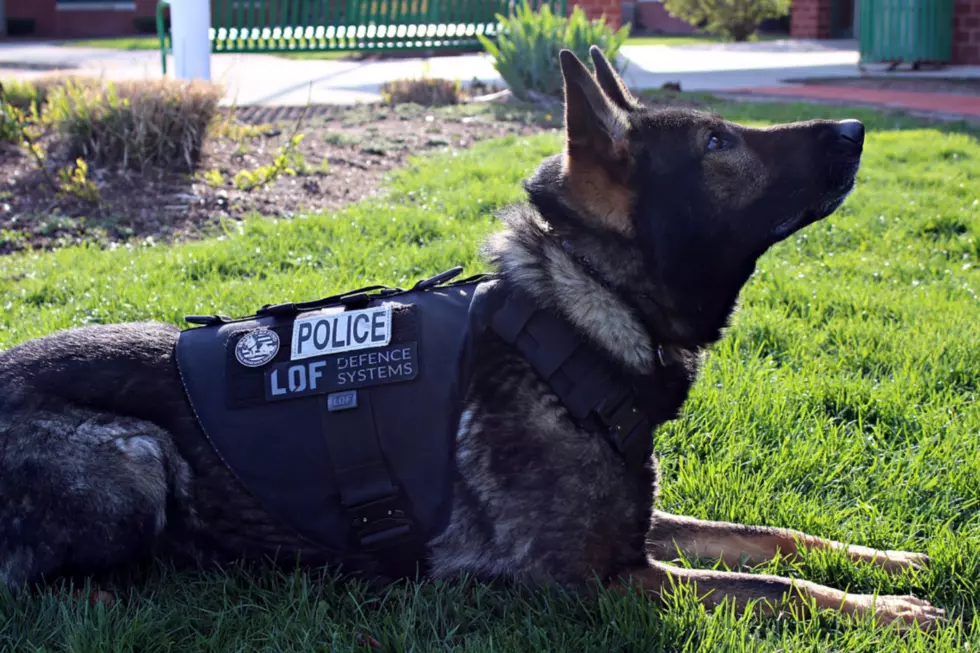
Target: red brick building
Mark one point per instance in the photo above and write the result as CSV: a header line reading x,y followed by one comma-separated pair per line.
x,y
822,19
79,18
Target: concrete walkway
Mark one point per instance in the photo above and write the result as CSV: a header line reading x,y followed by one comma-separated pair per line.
x,y
266,80
945,105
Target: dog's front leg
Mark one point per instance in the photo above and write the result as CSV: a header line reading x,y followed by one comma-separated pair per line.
x,y
736,543
772,594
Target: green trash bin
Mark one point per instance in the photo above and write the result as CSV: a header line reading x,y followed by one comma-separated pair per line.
x,y
906,31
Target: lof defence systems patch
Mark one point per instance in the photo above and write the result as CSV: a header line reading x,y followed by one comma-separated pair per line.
x,y
345,371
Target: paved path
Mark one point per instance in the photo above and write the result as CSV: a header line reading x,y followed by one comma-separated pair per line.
x,y
766,68
949,104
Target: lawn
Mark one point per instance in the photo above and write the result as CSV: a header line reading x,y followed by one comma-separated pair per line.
x,y
842,402
692,40
119,43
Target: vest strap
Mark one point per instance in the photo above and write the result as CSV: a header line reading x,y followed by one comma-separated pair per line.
x,y
593,393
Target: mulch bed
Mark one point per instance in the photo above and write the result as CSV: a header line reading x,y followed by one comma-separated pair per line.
x,y
951,85
343,157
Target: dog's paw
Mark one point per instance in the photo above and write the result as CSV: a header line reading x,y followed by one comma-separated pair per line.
x,y
896,561
890,561
902,611
95,597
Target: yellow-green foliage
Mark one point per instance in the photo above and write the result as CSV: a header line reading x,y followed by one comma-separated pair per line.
x,y
289,161
74,181
214,178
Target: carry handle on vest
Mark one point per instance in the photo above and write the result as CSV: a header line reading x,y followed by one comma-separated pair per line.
x,y
350,299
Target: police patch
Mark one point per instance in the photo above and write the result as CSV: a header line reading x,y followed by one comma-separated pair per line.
x,y
342,372
327,333
257,348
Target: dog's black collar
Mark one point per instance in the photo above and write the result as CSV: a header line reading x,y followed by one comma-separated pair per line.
x,y
585,263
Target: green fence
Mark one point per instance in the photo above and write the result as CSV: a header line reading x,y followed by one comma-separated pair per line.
x,y
350,25
906,31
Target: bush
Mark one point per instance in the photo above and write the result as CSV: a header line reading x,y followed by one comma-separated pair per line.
x,y
134,124
733,19
526,52
426,92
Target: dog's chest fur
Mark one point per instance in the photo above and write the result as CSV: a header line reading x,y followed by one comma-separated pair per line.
x,y
535,495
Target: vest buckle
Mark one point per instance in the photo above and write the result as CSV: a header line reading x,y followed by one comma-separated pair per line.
x,y
380,524
438,279
207,320
622,421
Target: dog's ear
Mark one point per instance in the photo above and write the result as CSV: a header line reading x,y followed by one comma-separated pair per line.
x,y
597,160
594,126
610,82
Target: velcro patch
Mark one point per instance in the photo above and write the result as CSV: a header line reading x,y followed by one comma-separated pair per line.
x,y
342,400
334,332
342,372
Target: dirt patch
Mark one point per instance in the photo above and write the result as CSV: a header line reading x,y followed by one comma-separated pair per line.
x,y
950,85
344,156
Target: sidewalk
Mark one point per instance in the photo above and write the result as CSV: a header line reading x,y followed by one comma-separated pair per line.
x,y
946,104
745,69
267,79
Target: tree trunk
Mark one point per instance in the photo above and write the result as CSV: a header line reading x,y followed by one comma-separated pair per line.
x,y
742,31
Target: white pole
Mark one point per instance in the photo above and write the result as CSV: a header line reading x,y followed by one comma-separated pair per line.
x,y
190,21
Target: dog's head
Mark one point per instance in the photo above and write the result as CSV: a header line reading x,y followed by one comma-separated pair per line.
x,y
699,197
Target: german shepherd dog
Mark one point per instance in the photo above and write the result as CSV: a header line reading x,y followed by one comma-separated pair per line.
x,y
640,234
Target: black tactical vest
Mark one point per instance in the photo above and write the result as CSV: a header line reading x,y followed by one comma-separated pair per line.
x,y
340,415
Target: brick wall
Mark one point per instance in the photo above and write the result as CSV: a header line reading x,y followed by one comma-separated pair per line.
x,y
811,19
611,9
966,32
52,22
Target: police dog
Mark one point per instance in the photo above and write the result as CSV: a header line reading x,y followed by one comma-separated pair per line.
x,y
640,234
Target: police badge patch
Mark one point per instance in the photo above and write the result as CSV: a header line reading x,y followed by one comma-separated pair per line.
x,y
257,348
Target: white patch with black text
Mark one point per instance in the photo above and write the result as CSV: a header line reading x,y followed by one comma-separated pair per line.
x,y
336,332
257,348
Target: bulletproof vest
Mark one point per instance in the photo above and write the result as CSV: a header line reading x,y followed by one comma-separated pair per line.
x,y
340,415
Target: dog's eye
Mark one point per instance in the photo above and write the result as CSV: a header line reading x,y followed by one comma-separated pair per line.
x,y
716,142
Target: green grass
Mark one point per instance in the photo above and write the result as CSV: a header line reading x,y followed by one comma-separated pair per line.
x,y
843,402
335,54
691,40
153,43
119,43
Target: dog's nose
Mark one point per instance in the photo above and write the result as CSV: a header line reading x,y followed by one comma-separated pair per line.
x,y
851,130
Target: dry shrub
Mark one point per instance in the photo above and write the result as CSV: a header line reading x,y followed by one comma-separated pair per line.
x,y
135,124
426,92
